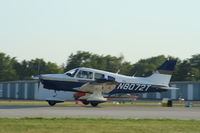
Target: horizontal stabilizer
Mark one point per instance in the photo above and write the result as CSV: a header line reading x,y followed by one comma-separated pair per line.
x,y
169,88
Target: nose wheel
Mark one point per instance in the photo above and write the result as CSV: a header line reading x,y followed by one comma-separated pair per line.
x,y
51,103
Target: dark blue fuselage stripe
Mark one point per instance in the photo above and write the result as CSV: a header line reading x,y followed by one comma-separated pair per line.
x,y
61,85
69,86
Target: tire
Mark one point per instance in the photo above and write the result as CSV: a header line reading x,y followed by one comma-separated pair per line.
x,y
85,102
94,104
51,103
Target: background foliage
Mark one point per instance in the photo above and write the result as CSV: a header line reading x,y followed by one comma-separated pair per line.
x,y
11,69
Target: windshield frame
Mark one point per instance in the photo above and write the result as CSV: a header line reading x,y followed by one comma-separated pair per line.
x,y
72,72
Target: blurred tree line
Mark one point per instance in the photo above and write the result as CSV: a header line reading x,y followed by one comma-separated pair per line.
x,y
11,69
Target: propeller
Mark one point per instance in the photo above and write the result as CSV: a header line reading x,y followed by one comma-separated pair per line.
x,y
38,79
38,76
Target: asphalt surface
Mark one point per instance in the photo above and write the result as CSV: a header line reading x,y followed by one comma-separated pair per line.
x,y
18,111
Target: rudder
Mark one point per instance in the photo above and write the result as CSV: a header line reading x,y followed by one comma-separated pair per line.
x,y
163,73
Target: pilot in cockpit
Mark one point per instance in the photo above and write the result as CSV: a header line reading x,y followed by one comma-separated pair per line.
x,y
84,74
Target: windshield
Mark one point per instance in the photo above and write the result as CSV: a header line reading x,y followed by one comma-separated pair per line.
x,y
72,72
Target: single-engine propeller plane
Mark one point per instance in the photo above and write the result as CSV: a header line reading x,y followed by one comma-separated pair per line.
x,y
95,82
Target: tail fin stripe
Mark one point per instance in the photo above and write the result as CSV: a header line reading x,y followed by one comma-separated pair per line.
x,y
167,67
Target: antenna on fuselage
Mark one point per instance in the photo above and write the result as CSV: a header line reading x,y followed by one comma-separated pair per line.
x,y
118,71
134,74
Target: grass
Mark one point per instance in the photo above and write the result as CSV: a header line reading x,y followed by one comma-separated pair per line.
x,y
44,103
26,102
84,125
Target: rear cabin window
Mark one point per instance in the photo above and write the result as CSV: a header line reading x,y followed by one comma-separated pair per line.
x,y
99,76
85,75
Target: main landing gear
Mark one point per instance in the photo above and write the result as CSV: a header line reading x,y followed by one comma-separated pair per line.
x,y
85,102
93,103
52,103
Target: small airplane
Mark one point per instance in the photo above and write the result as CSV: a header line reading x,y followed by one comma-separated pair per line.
x,y
95,82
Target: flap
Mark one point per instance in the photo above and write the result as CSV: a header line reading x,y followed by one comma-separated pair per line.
x,y
105,86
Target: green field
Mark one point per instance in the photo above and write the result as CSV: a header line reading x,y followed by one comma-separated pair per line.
x,y
41,103
136,103
83,125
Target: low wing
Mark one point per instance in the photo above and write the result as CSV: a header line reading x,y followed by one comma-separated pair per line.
x,y
103,85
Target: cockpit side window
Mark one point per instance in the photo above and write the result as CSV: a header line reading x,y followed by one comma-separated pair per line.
x,y
85,74
71,73
99,76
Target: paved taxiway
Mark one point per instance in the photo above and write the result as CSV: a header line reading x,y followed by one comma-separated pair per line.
x,y
17,111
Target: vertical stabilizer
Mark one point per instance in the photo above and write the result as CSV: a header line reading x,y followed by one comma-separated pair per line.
x,y
167,67
163,73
